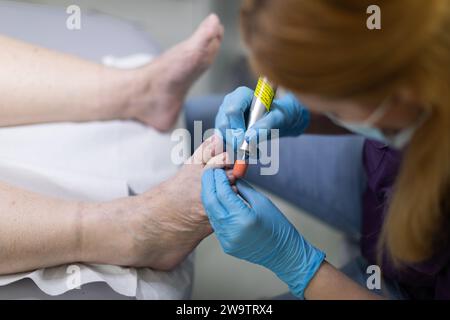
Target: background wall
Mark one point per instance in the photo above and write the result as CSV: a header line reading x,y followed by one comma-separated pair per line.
x,y
169,21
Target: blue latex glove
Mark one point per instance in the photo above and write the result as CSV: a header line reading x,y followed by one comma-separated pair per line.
x,y
258,232
286,114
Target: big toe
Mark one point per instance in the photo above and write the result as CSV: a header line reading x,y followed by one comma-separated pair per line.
x,y
209,30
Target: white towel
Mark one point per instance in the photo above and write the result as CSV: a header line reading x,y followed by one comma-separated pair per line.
x,y
95,161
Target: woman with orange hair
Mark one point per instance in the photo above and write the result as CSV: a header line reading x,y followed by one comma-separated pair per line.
x,y
390,86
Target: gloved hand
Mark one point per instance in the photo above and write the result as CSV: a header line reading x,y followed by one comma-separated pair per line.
x,y
286,114
258,232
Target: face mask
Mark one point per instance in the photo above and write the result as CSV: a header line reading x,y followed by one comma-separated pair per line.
x,y
368,130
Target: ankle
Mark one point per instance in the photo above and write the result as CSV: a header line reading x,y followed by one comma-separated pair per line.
x,y
124,90
104,236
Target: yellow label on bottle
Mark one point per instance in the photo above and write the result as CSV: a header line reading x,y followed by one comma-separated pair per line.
x,y
265,93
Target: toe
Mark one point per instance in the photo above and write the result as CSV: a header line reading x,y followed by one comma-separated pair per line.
x,y
209,29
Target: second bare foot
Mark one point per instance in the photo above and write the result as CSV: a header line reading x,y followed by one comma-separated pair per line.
x,y
164,83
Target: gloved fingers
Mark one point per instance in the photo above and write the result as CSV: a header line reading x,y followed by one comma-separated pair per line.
x,y
287,115
234,139
214,209
281,113
227,197
230,120
287,101
249,194
231,178
231,113
262,129
297,116
278,118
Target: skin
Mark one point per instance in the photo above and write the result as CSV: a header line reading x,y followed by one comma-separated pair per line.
x,y
37,85
155,229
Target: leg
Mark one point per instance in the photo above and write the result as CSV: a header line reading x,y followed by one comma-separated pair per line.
x,y
152,94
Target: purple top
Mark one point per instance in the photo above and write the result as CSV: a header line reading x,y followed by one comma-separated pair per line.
x,y
429,280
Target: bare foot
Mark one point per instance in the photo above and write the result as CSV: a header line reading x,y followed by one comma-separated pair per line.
x,y
159,228
168,222
164,83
